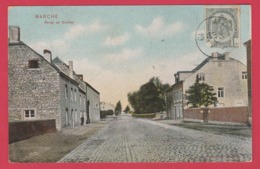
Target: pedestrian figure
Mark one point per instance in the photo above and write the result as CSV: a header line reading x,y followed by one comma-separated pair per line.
x,y
82,120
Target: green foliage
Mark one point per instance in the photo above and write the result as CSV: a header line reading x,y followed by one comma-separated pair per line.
x,y
118,108
127,109
201,94
107,112
149,98
148,115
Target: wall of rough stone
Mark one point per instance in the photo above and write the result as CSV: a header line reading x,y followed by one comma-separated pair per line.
x,y
31,88
26,129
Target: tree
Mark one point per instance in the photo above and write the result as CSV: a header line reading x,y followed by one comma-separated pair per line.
x,y
118,108
150,98
201,94
127,109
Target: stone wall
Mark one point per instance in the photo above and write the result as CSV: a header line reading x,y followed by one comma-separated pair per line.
x,y
26,129
31,88
222,115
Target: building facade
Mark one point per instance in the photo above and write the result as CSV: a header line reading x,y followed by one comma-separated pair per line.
x,y
249,76
228,77
41,88
93,103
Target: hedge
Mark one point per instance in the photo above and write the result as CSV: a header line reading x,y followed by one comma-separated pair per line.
x,y
148,115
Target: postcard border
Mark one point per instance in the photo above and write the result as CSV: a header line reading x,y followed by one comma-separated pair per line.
x,y
4,163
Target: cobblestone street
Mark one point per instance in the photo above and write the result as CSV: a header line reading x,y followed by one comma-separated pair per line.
x,y
126,139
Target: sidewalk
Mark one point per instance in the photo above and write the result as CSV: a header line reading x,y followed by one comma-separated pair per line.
x,y
51,147
235,130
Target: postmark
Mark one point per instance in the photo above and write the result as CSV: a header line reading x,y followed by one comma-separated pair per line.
x,y
223,26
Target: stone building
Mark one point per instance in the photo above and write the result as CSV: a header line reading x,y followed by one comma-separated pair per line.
x,y
249,76
228,77
174,101
93,103
42,88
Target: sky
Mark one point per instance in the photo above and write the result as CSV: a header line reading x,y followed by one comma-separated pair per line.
x,y
119,48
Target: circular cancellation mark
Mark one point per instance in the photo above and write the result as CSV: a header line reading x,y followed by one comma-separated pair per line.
x,y
219,32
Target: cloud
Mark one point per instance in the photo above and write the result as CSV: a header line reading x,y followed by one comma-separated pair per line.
x,y
57,46
115,41
83,29
124,54
158,28
61,46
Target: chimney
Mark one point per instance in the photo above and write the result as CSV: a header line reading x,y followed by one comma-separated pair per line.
x,y
14,34
226,55
71,69
176,78
215,55
47,55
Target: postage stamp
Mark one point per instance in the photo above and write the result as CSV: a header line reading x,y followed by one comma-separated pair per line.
x,y
223,26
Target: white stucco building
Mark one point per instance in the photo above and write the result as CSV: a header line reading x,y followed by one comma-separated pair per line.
x,y
228,77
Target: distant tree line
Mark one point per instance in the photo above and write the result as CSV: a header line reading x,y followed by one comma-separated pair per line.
x,y
150,98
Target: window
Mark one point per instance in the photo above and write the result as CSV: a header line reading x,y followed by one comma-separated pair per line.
x,y
71,96
244,75
180,95
79,99
29,114
33,64
75,95
76,116
67,117
201,76
221,92
66,92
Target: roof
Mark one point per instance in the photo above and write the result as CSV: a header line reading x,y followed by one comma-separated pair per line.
x,y
52,65
184,72
205,61
174,85
58,60
92,87
201,65
247,42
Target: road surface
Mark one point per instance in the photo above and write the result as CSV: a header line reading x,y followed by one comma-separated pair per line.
x,y
127,139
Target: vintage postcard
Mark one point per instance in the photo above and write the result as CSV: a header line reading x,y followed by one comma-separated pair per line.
x,y
135,84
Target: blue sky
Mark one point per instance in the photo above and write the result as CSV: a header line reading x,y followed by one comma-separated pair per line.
x,y
118,48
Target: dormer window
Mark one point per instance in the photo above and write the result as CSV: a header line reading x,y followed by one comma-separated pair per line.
x,y
33,64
